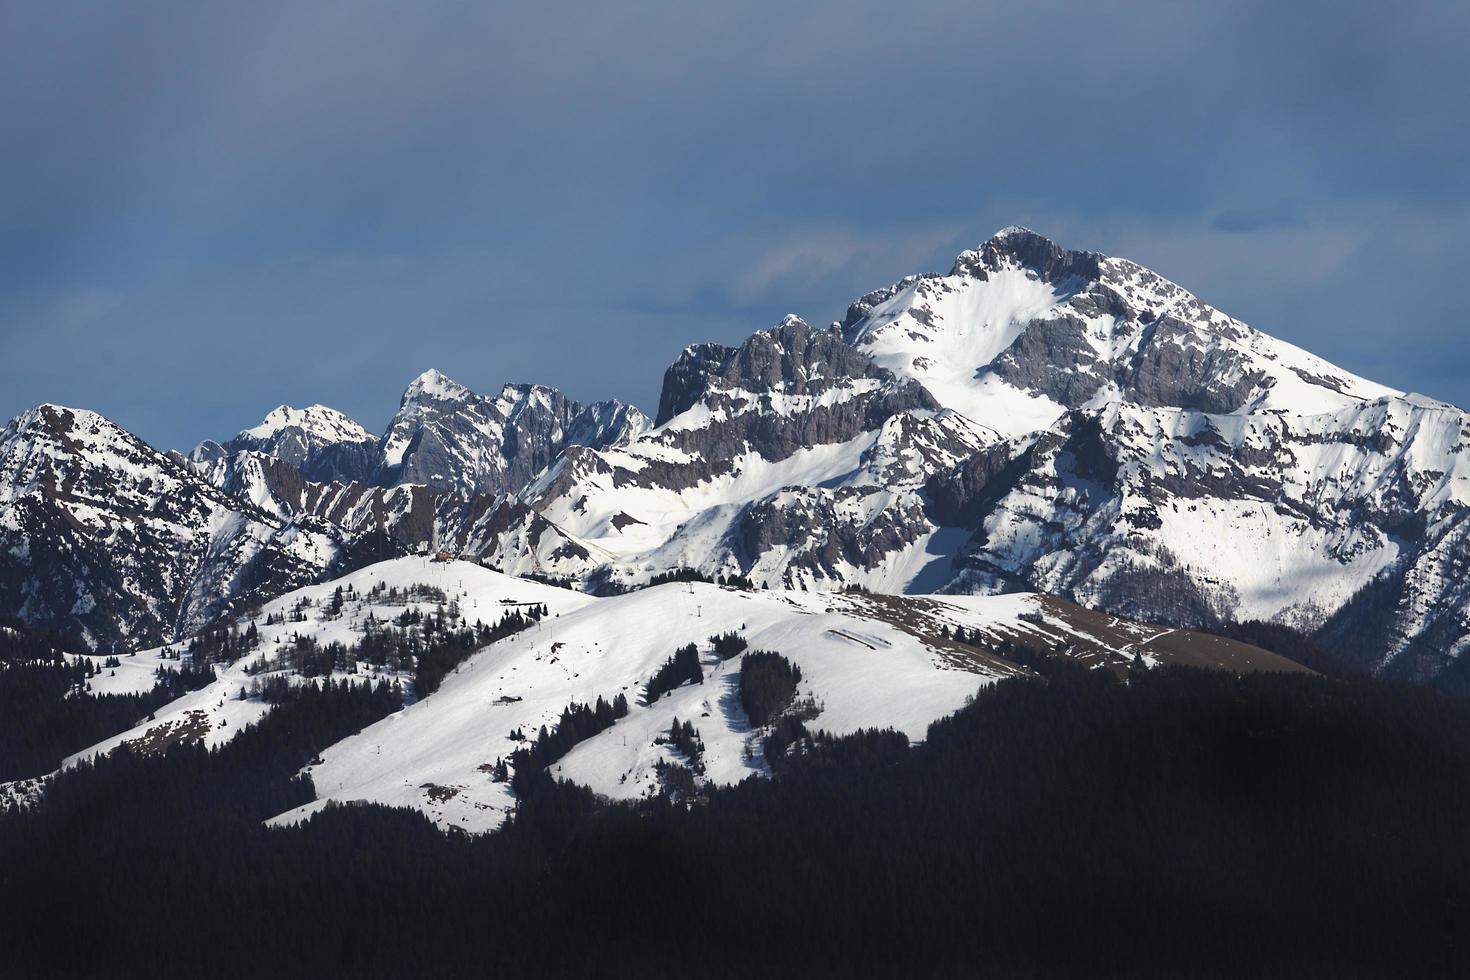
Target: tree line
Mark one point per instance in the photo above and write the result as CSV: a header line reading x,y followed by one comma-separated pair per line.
x,y
1172,822
47,712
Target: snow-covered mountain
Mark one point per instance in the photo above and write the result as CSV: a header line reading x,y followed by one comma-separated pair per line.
x,y
856,653
1167,461
1022,329
1045,419
443,436
115,543
793,458
443,475
1034,419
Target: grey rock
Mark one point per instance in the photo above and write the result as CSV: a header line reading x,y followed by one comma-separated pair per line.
x,y
447,437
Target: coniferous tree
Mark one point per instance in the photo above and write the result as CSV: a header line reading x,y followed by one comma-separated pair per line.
x,y
767,685
682,668
728,645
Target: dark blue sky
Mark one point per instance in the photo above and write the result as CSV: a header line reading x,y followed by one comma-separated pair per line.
x,y
209,209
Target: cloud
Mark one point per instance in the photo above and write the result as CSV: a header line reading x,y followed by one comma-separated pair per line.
x,y
1241,220
809,261
310,195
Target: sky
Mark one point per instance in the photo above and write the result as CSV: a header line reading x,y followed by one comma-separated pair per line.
x,y
208,209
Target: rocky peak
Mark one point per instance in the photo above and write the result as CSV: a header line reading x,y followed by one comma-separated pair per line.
x,y
75,452
56,421
791,357
113,542
1017,247
323,423
434,386
1036,418
321,442
604,424
454,440
794,354
1022,330
685,380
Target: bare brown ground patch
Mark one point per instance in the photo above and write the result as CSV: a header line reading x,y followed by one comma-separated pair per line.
x,y
1059,628
439,794
1116,640
188,730
924,618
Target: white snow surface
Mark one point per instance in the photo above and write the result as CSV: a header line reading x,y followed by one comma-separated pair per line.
x,y
862,673
866,662
325,425
123,494
975,323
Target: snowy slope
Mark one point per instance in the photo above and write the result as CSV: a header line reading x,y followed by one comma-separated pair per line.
x,y
1352,520
867,661
122,546
791,459
1067,422
805,457
213,714
296,434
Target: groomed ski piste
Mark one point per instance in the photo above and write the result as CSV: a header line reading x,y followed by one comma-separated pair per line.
x,y
859,673
867,661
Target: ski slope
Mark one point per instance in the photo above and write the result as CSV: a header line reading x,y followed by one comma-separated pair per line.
x,y
863,673
866,662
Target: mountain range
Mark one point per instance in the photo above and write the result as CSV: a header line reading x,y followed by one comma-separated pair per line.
x,y
1035,420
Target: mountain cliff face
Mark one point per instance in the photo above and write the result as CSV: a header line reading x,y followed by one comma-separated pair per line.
x,y
443,436
1034,419
793,458
446,437
1021,330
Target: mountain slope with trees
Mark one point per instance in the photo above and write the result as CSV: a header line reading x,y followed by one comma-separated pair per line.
x,y
1181,823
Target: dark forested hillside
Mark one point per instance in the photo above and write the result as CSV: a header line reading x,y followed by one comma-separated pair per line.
x,y
46,711
1174,823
